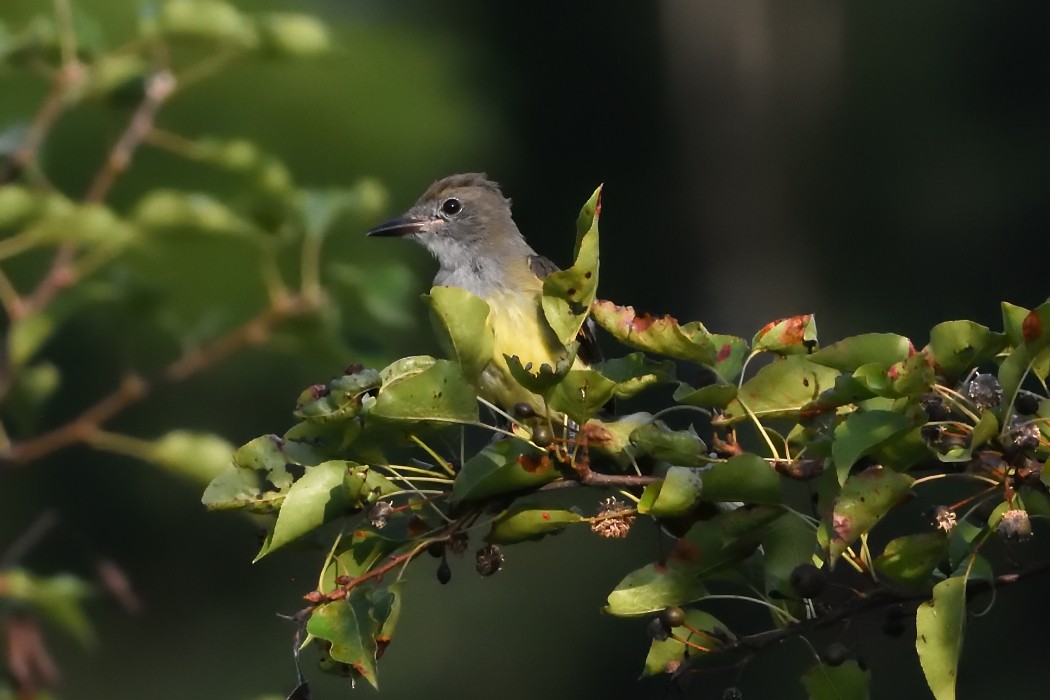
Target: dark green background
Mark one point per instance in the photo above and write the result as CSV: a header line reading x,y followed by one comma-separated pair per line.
x,y
883,165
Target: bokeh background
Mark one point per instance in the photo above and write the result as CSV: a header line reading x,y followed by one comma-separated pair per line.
x,y
883,165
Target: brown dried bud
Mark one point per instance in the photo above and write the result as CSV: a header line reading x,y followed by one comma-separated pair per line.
x,y
488,560
378,514
944,519
614,519
1015,525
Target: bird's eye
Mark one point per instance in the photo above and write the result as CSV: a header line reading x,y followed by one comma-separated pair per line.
x,y
451,206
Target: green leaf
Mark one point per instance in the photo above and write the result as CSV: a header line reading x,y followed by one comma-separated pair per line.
x,y
861,433
581,394
787,542
165,211
675,495
717,395
612,437
437,394
208,20
725,540
504,466
319,496
541,380
350,628
197,456
667,656
529,522
568,294
958,346
635,372
745,477
912,377
848,681
849,354
682,448
257,481
939,635
340,399
787,336
59,598
461,322
653,587
910,561
864,499
781,389
293,34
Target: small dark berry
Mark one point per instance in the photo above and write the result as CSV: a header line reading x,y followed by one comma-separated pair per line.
x,y
523,411
673,616
444,572
834,654
1015,525
732,694
807,580
542,435
935,409
1024,434
1026,403
657,630
436,549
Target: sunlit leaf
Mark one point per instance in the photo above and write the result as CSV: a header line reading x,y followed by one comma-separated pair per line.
x,y
787,336
864,499
847,681
958,346
438,394
871,348
653,587
781,388
461,322
668,655
909,561
567,294
860,433
529,522
939,636
675,495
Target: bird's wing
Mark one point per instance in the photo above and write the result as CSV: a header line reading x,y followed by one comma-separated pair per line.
x,y
589,351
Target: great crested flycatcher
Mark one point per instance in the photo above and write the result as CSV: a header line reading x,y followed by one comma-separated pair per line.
x,y
465,222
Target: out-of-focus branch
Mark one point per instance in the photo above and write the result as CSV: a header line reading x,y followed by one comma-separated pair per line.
x,y
133,389
61,273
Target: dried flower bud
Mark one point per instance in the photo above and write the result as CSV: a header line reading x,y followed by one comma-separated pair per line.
x,y
1024,433
378,514
985,390
458,543
1015,525
614,519
944,519
488,560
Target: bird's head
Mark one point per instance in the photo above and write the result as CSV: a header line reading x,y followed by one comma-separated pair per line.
x,y
459,219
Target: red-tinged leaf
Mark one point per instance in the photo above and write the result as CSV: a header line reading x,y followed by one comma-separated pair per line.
x,y
794,335
1031,327
663,335
864,499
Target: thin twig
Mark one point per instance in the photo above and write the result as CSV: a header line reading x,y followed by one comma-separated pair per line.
x,y
133,388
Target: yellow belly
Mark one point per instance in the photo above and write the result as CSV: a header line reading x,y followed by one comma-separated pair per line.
x,y
520,329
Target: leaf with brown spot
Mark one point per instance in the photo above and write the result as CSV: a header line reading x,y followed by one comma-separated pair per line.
x,y
863,500
787,336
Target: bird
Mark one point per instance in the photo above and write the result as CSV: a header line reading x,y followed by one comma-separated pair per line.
x,y
465,222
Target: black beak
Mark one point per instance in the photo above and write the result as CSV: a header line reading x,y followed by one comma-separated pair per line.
x,y
400,227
